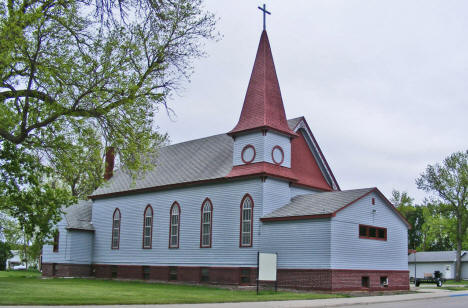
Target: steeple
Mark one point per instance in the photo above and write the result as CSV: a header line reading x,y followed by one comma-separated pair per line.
x,y
263,106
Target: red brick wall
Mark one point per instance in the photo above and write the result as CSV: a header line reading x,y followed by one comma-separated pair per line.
x,y
351,280
66,270
309,279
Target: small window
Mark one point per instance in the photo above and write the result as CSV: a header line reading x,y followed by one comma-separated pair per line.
x,y
373,201
116,229
114,271
147,227
365,281
362,231
206,221
146,272
245,276
174,226
246,222
172,273
56,241
370,232
384,281
205,274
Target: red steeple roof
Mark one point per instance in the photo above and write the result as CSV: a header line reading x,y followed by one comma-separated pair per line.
x,y
263,105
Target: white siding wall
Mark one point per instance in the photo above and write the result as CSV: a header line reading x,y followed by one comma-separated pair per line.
x,y
295,191
48,256
300,243
273,139
276,193
75,247
253,138
351,252
446,268
225,251
263,147
464,270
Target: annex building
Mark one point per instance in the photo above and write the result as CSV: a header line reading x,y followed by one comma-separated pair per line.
x,y
209,205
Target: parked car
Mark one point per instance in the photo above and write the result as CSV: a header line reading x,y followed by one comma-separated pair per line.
x,y
19,267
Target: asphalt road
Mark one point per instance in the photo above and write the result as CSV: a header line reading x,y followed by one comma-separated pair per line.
x,y
452,302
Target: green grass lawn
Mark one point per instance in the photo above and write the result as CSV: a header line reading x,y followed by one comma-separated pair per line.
x,y
25,288
453,282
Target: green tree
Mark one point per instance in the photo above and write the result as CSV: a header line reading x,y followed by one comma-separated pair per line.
x,y
413,214
449,182
64,68
5,254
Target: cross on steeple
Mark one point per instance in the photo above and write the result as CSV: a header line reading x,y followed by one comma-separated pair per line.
x,y
264,14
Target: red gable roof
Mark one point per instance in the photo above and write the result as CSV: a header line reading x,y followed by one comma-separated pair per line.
x,y
263,105
304,165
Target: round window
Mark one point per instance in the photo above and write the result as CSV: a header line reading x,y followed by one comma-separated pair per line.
x,y
248,154
277,155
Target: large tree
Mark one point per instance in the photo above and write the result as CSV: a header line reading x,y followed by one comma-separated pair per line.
x,y
107,65
449,182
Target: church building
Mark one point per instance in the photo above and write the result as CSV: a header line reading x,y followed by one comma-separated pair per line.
x,y
211,204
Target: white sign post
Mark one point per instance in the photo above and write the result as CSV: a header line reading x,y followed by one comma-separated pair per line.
x,y
266,267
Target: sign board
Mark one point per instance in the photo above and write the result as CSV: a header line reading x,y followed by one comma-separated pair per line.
x,y
267,266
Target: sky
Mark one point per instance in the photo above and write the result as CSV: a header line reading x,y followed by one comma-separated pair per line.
x,y
383,85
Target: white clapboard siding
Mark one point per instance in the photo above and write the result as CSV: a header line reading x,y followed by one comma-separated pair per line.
x,y
225,251
301,244
296,191
273,139
351,252
254,138
276,193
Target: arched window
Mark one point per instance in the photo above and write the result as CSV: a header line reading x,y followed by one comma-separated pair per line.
x,y
205,224
147,227
246,216
116,229
56,241
174,226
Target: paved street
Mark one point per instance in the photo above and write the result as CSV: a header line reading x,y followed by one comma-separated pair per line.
x,y
452,302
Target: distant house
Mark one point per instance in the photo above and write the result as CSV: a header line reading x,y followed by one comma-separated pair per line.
x,y
14,261
424,263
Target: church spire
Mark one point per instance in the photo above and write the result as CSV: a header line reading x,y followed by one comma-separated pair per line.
x,y
263,106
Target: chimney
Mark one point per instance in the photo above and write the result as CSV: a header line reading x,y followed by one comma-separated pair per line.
x,y
109,167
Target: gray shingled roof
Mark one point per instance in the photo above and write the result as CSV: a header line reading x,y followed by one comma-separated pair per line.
x,y
78,216
436,256
318,203
196,160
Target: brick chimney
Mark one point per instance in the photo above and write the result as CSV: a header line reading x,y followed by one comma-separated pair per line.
x,y
109,167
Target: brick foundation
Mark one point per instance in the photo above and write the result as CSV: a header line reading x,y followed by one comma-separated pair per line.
x,y
306,279
66,270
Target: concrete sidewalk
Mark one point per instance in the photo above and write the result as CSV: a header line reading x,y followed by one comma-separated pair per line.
x,y
332,302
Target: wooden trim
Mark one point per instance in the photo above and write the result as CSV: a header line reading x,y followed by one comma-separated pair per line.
x,y
273,156
370,237
120,223
144,225
261,128
248,146
175,203
201,223
302,217
251,221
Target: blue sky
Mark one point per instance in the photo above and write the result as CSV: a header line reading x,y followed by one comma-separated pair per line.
x,y
382,84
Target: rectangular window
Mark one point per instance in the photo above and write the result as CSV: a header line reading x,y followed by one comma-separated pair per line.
x,y
205,274
371,232
114,271
56,241
172,273
146,272
245,276
383,281
365,281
